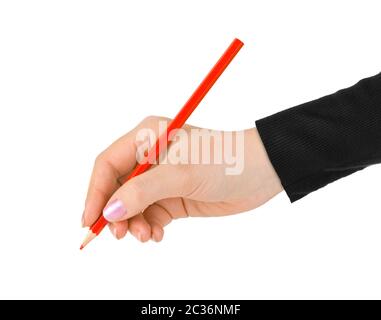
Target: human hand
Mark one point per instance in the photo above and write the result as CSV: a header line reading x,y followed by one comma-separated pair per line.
x,y
147,203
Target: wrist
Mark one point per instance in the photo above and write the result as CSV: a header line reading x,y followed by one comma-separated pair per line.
x,y
259,164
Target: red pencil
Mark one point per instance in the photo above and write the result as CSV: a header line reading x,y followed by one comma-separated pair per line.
x,y
176,123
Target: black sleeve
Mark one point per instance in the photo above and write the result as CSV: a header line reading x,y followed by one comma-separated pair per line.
x,y
318,142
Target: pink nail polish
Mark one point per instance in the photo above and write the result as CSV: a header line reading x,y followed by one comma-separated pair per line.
x,y
115,233
114,211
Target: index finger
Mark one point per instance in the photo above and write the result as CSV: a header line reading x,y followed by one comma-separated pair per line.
x,y
111,165
118,159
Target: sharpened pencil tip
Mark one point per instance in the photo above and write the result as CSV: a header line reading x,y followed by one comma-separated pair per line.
x,y
90,236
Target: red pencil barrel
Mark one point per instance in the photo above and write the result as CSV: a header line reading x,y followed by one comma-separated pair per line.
x,y
205,85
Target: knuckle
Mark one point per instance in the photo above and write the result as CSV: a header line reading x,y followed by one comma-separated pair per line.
x,y
154,119
150,119
99,159
137,190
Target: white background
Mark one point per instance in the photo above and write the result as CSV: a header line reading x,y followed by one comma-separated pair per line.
x,y
75,75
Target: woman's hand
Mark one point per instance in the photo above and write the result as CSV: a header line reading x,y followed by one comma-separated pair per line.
x,y
147,203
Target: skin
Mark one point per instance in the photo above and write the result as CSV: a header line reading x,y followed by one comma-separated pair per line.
x,y
171,191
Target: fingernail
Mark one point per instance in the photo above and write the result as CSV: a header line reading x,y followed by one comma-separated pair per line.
x,y
115,233
114,211
158,235
83,220
154,238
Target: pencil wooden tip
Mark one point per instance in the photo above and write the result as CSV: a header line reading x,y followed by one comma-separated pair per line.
x,y
90,236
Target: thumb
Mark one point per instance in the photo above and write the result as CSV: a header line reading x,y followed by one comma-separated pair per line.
x,y
163,181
